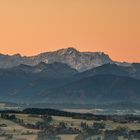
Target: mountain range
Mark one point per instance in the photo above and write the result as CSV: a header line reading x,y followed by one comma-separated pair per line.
x,y
80,61
68,76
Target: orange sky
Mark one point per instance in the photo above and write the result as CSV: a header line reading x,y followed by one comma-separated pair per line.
x,y
33,26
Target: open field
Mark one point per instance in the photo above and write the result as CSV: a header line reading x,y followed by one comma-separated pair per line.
x,y
109,124
71,121
12,127
16,130
25,130
28,118
28,137
67,137
112,125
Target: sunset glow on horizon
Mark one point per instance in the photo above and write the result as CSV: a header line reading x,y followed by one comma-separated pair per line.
x,y
30,27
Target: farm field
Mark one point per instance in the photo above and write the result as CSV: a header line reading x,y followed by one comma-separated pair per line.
x,y
67,137
17,131
29,118
109,124
21,126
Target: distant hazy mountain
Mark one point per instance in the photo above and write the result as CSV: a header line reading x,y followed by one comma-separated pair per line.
x,y
25,82
46,70
96,89
59,83
79,60
68,76
132,70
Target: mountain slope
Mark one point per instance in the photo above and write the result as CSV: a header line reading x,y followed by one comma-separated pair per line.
x,y
97,89
129,71
59,83
26,82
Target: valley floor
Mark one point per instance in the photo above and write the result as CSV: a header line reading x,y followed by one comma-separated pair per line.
x,y
16,126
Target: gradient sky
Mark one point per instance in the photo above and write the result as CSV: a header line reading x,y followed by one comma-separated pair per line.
x,y
33,26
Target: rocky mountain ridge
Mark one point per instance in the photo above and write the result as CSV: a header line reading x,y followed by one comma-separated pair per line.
x,y
80,61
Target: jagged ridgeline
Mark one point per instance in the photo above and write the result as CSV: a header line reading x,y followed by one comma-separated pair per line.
x,y
68,76
75,59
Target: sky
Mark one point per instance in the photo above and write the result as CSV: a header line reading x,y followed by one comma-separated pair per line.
x,y
29,27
